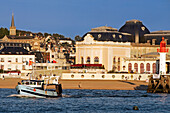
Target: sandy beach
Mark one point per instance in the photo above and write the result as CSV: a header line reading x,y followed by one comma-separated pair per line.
x,y
85,84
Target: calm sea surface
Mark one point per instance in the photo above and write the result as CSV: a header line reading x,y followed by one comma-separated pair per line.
x,y
87,101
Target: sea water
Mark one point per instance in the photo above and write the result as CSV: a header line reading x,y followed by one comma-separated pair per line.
x,y
88,101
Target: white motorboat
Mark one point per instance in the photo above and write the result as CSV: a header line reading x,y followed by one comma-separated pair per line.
x,y
40,88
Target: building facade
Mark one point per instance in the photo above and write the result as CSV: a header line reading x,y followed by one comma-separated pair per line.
x,y
132,48
108,53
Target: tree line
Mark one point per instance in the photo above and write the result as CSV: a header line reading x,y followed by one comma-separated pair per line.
x,y
5,31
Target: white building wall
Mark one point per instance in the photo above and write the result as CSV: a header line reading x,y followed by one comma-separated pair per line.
x,y
139,62
13,64
88,76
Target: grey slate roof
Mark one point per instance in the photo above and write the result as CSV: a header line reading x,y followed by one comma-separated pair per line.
x,y
133,27
109,36
20,37
14,50
12,44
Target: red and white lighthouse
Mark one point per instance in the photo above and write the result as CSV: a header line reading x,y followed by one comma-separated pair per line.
x,y
162,51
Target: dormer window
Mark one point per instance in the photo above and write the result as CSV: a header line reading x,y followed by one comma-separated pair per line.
x,y
143,28
120,36
153,41
148,41
99,35
114,36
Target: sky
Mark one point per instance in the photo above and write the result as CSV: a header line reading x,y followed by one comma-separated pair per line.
x,y
77,17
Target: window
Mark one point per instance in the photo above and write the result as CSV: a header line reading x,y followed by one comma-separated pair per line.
x,y
114,63
99,36
119,68
119,60
114,35
88,60
82,76
124,67
9,59
154,68
82,60
16,59
113,76
23,67
141,68
119,64
2,66
103,76
96,60
92,76
9,67
129,67
114,60
72,76
148,67
2,59
136,67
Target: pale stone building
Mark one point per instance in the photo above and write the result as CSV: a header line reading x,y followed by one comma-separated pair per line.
x,y
132,48
16,58
91,50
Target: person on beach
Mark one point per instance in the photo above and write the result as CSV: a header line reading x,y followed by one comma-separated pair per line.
x,y
3,78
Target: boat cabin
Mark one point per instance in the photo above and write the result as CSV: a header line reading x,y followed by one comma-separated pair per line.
x,y
32,83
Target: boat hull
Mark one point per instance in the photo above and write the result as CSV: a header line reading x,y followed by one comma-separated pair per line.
x,y
34,92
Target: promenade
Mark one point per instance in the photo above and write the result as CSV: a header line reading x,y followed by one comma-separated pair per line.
x,y
85,84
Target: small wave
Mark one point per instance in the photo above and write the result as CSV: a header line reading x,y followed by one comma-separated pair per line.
x,y
64,95
21,96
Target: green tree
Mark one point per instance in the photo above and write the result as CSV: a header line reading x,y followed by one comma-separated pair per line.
x,y
58,35
40,34
46,34
77,38
3,32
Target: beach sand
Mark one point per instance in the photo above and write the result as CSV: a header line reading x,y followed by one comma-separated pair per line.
x,y
85,84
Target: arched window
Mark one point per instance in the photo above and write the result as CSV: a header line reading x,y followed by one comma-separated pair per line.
x,y
118,68
88,60
148,67
136,67
119,64
114,60
129,67
96,60
154,68
82,60
114,63
141,68
119,60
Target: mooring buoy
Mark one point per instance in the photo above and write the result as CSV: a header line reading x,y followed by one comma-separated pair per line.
x,y
135,108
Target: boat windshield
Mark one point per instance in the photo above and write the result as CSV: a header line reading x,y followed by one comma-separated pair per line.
x,y
31,82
